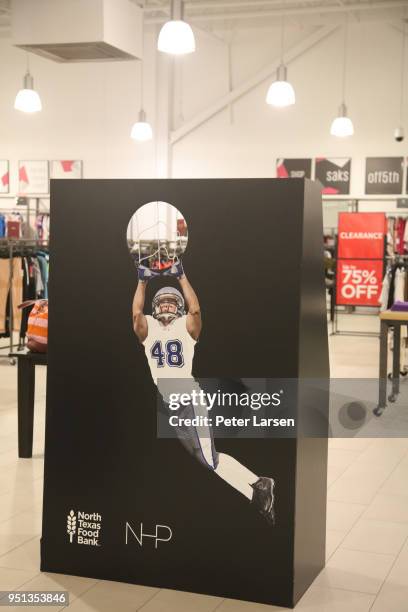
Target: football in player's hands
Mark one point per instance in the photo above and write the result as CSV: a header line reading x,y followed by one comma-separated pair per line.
x,y
145,273
176,270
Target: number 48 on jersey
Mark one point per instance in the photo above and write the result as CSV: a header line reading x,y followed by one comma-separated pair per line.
x,y
172,355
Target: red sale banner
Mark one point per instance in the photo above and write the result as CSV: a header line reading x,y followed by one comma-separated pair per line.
x,y
361,235
359,282
360,254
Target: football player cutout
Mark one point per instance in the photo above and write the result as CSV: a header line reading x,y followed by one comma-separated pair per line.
x,y
169,337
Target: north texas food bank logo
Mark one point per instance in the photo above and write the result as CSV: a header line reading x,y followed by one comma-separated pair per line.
x,y
84,528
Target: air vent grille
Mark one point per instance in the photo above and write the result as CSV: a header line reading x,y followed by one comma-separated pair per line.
x,y
79,52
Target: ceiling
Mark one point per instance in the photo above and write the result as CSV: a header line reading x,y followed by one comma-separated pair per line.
x,y
319,11
239,13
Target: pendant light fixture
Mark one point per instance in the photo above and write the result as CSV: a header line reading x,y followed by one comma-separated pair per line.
x,y
27,99
342,126
176,36
399,131
281,92
141,130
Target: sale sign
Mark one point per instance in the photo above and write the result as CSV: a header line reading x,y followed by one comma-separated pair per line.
x,y
360,253
361,235
359,282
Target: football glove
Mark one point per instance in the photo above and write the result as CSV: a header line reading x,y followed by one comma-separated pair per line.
x,y
145,273
176,270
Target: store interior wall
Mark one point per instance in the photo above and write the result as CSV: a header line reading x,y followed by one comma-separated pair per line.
x,y
88,108
260,134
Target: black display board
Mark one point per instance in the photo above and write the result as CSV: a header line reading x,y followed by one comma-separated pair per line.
x,y
334,175
254,257
294,168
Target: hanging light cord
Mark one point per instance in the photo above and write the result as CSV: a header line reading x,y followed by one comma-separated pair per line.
x,y
283,34
343,93
141,85
402,75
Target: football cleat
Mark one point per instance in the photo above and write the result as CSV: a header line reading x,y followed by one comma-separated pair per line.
x,y
263,498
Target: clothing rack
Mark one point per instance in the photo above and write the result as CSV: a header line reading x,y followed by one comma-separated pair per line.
x,y
17,247
24,208
21,210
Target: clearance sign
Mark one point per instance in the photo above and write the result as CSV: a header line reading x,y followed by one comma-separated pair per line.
x,y
360,258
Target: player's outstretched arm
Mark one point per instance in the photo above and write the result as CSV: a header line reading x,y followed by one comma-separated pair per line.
x,y
139,319
194,323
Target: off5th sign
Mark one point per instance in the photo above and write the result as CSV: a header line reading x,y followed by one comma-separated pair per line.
x,y
359,282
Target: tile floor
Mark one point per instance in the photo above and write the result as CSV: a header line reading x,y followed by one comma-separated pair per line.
x,y
367,528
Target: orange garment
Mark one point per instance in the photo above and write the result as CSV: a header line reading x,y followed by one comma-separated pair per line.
x,y
37,327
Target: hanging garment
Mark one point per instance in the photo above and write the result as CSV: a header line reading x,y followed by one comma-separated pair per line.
x,y
2,226
399,291
43,263
390,236
385,291
400,231
13,229
39,286
391,290
43,226
4,289
28,293
399,288
16,291
28,232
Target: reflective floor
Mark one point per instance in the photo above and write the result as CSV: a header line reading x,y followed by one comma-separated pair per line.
x,y
367,529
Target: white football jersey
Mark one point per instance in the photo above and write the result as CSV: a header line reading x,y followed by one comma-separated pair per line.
x,y
169,349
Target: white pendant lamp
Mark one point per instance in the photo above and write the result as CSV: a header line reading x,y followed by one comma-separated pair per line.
x,y
141,130
342,126
27,100
281,92
176,36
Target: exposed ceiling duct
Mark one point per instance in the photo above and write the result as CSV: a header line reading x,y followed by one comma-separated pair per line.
x,y
78,30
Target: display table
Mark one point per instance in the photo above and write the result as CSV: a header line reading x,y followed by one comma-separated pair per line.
x,y
389,319
25,402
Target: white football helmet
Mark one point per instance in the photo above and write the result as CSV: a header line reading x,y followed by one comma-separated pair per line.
x,y
168,304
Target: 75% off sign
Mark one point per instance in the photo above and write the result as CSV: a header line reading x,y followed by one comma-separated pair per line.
x,y
359,282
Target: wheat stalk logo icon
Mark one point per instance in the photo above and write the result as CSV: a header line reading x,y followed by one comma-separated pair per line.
x,y
71,525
